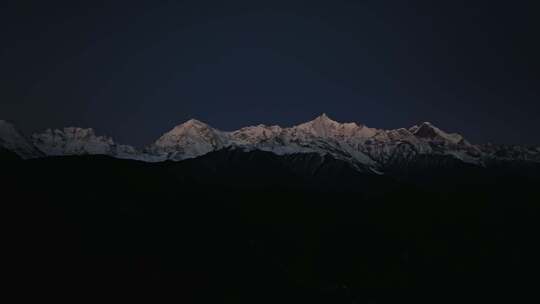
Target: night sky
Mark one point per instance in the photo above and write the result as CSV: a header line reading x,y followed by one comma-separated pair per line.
x,y
133,71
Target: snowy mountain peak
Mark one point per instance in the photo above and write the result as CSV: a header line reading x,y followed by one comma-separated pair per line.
x,y
194,123
191,126
427,130
190,139
325,127
321,126
323,119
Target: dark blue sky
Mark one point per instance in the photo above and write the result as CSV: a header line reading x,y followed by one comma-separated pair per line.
x,y
133,70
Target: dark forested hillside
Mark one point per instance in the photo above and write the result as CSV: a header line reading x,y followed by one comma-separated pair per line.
x,y
254,227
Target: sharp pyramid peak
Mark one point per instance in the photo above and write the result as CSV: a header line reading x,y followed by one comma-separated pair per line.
x,y
192,128
324,117
194,121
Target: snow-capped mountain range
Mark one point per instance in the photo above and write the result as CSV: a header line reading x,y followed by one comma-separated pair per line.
x,y
366,148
